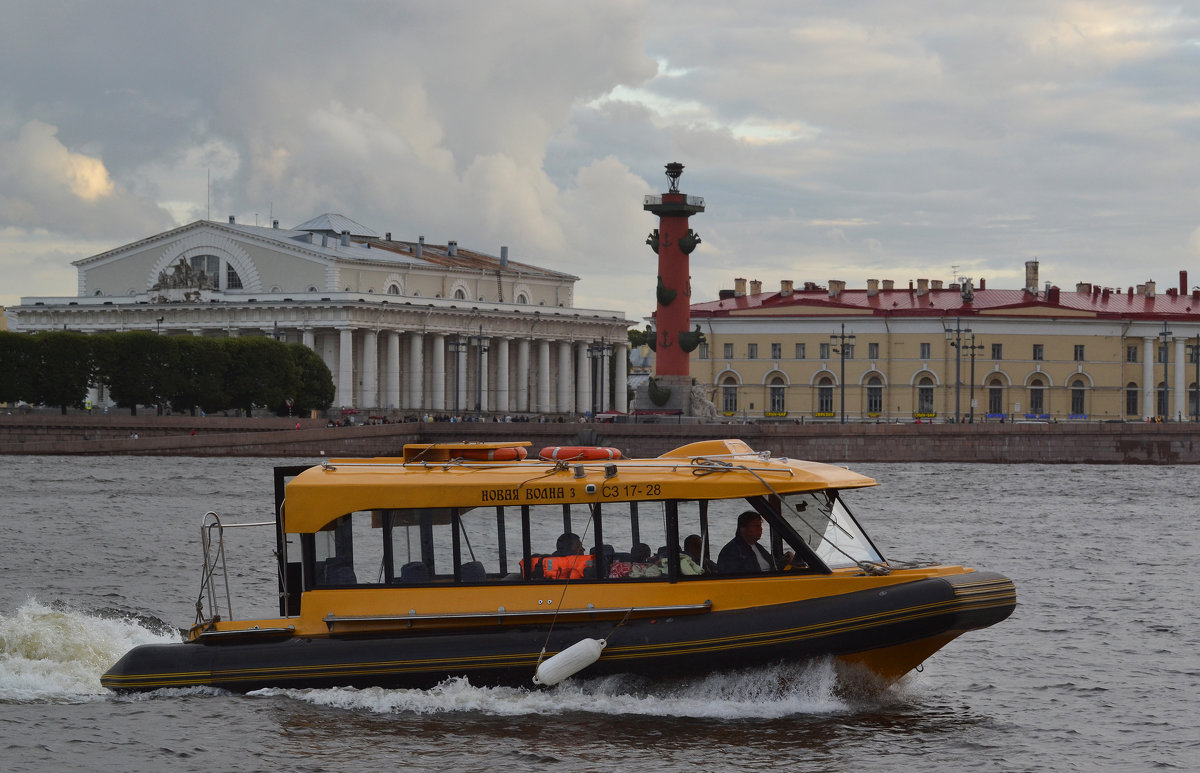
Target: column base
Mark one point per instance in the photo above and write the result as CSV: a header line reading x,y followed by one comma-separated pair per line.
x,y
678,393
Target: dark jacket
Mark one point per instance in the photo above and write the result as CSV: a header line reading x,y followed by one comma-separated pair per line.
x,y
737,557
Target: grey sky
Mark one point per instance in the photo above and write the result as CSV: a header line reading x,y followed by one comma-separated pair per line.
x,y
831,140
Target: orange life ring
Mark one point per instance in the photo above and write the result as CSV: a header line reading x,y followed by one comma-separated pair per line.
x,y
578,453
506,454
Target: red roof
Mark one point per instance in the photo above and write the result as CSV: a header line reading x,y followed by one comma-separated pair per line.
x,y
1101,303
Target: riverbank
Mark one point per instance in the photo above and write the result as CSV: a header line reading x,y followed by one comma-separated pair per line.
x,y
39,434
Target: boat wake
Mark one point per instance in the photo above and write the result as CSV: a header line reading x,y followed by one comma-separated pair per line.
x,y
764,693
57,654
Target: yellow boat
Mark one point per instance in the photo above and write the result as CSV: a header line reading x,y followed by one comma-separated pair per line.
x,y
470,560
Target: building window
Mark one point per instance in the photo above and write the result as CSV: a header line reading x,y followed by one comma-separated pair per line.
x,y
727,351
1162,398
1194,400
460,294
825,394
393,289
207,270
874,393
996,397
1131,397
1162,352
872,351
703,352
232,280
824,354
800,351
925,350
522,299
752,351
1079,353
1037,396
997,351
778,395
1078,394
729,395
847,351
1131,354
1039,352
925,394
1193,353
776,351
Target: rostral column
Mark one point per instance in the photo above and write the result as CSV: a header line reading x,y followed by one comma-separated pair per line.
x,y
673,340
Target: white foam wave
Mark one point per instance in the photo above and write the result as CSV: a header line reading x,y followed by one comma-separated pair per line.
x,y
58,654
761,693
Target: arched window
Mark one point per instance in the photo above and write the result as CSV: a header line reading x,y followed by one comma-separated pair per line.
x,y
1037,396
232,280
521,298
1131,399
1078,395
996,396
393,289
778,390
459,295
925,395
874,395
729,394
825,395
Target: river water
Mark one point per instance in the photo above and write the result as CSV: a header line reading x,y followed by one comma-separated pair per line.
x,y
1098,668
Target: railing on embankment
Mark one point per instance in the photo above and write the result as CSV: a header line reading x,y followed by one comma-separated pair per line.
x,y
837,443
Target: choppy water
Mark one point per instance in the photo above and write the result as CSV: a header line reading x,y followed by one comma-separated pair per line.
x,y
1099,668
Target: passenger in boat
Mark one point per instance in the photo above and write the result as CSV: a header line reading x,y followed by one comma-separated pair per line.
x,y
693,547
568,561
644,563
743,554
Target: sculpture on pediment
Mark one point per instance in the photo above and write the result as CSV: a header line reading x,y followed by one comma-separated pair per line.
x,y
183,277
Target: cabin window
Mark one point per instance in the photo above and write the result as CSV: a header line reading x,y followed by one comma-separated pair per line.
x,y
349,551
829,529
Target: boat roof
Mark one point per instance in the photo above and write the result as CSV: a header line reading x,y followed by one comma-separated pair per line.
x,y
438,476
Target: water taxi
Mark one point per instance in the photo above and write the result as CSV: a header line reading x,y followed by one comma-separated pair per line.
x,y
483,561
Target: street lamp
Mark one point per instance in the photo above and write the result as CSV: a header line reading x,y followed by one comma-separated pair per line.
x,y
1165,335
972,348
955,336
481,347
839,342
456,347
157,322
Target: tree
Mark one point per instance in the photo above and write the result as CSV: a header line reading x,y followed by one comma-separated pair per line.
x,y
17,358
199,379
64,364
260,372
138,368
315,391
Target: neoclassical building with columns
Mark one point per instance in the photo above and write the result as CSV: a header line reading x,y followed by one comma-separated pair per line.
x,y
404,326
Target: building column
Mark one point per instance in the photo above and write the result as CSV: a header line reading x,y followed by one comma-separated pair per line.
x,y
583,379
345,376
1149,393
370,369
565,403
523,375
482,375
437,373
392,370
501,345
543,377
1179,399
309,338
605,366
621,388
460,365
416,344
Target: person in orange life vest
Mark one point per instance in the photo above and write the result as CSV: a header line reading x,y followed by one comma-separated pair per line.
x,y
743,554
568,560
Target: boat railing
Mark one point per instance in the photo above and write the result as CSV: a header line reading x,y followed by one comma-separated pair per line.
x,y
215,571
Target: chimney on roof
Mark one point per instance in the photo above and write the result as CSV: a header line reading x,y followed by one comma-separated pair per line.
x,y
420,246
324,240
275,224
785,287
1149,288
982,283
755,287
922,286
503,256
725,294
452,248
345,238
1052,295
889,285
387,237
836,286
935,284
231,220
872,287
1183,283
1083,287
1031,276
739,287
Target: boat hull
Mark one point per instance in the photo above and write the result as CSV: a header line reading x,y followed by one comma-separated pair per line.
x,y
889,630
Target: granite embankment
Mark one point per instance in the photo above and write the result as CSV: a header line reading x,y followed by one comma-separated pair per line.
x,y
308,438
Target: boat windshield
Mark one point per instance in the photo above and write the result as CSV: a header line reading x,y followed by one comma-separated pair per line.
x,y
824,523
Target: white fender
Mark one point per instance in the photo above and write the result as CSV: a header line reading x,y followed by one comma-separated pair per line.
x,y
569,662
